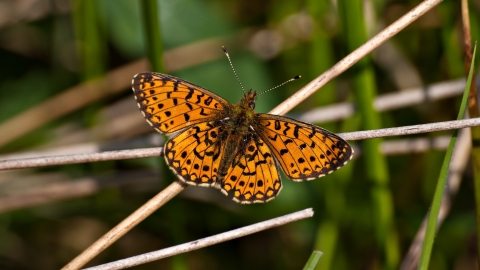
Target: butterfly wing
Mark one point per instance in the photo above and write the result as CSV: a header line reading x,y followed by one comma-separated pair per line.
x,y
194,154
170,104
304,151
253,176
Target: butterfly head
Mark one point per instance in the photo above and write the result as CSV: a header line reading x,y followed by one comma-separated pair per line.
x,y
243,112
247,104
248,100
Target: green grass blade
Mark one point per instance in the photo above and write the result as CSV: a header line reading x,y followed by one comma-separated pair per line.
x,y
442,181
313,260
351,14
90,38
153,36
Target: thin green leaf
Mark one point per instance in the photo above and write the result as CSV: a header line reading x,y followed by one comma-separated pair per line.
x,y
442,181
313,260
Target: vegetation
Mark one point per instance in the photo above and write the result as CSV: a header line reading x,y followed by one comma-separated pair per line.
x,y
65,89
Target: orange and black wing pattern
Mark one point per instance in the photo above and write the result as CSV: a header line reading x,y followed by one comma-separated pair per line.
x,y
304,151
195,154
229,146
170,104
253,177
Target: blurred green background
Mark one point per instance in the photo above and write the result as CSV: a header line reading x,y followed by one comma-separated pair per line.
x,y
366,214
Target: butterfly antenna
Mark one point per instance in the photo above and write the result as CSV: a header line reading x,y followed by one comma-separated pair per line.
x,y
234,72
282,84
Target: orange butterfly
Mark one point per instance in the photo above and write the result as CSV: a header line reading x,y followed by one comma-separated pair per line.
x,y
230,147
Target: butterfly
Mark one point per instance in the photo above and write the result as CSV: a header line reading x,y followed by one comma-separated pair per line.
x,y
230,147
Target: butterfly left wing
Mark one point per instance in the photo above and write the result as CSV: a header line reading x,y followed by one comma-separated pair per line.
x,y
304,151
170,104
253,176
194,154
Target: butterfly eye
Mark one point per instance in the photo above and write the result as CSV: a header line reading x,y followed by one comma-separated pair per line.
x,y
252,105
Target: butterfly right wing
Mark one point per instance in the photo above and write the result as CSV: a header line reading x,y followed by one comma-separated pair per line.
x,y
304,151
170,104
195,156
253,176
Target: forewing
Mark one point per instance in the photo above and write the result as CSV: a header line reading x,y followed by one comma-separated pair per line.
x,y
253,176
170,104
194,154
304,151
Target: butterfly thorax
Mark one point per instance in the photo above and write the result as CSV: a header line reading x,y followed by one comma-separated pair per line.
x,y
243,114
